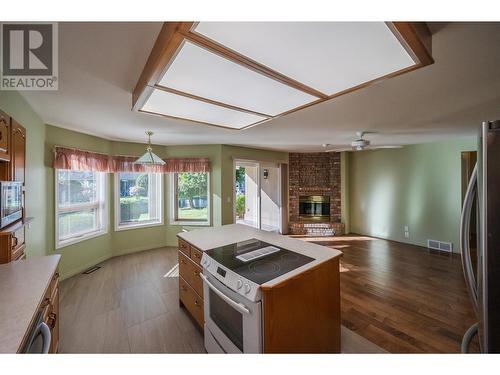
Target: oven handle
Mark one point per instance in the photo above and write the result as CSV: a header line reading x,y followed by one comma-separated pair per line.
x,y
238,306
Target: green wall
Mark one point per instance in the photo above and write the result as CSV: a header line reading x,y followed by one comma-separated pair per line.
x,y
418,186
15,106
80,256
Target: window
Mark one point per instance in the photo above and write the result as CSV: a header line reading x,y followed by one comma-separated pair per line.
x,y
138,200
80,206
191,198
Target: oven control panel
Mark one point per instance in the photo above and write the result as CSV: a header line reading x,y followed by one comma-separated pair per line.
x,y
232,280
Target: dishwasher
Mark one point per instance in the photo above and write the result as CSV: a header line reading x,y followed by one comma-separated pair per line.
x,y
39,338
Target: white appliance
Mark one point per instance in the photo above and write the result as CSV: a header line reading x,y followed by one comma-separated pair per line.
x,y
232,276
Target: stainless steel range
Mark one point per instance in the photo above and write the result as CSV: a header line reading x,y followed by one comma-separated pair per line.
x,y
233,275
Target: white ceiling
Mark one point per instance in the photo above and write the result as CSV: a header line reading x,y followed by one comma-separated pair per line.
x,y
101,62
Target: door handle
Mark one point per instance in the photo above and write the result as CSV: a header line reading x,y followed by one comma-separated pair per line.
x,y
470,280
238,306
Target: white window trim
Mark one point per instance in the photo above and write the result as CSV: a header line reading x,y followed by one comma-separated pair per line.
x,y
173,205
102,192
144,224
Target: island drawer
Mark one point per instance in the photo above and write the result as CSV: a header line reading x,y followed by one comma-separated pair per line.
x,y
191,273
184,247
196,255
192,301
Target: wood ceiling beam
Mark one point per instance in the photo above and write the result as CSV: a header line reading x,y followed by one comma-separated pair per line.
x,y
210,101
166,46
416,38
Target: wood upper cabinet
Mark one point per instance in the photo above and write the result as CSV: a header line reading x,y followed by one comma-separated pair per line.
x,y
4,136
12,168
18,152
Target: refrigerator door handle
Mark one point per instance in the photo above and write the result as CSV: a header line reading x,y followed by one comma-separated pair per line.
x,y
470,280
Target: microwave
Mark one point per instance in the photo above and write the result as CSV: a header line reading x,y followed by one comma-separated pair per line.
x,y
11,202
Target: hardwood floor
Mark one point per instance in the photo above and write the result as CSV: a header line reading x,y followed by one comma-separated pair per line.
x,y
404,298
127,306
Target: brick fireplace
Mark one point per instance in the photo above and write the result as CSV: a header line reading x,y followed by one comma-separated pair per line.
x,y
314,180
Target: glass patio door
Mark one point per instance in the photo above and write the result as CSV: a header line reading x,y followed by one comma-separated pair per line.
x,y
258,195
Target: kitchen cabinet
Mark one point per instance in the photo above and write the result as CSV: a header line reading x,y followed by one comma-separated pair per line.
x,y
29,295
49,308
18,153
13,168
13,241
52,317
190,282
4,136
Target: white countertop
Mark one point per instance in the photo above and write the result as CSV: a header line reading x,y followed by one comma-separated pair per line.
x,y
22,288
209,238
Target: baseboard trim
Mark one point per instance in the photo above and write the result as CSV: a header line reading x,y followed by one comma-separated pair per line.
x,y
75,271
138,249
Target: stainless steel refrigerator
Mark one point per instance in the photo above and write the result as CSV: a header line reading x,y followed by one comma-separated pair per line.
x,y
482,268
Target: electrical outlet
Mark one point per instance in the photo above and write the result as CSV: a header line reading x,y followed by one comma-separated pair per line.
x,y
407,231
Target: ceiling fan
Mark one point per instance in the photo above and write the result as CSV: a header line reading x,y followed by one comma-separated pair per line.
x,y
360,144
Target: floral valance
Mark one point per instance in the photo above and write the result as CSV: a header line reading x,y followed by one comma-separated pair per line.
x,y
81,160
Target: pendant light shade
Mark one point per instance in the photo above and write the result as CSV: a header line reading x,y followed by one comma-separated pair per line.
x,y
149,158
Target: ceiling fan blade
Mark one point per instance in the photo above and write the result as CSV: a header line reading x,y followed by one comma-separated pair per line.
x,y
340,149
384,147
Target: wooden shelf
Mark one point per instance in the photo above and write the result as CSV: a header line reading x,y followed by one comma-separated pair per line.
x,y
15,226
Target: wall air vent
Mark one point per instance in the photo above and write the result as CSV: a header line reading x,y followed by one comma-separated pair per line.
x,y
440,245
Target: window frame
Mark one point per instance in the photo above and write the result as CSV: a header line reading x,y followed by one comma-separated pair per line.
x,y
173,219
101,205
144,224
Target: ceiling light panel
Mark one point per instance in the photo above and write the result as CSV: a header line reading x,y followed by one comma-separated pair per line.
x,y
327,56
200,72
165,103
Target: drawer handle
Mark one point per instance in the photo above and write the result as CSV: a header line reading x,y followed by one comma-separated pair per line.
x,y
184,288
52,320
45,302
197,273
196,255
197,303
16,241
183,261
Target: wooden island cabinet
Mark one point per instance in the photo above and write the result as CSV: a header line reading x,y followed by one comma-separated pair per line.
x,y
190,282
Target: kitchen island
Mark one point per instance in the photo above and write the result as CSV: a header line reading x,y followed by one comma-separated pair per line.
x,y
298,309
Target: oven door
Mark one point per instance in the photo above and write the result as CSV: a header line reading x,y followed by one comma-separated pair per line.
x,y
232,323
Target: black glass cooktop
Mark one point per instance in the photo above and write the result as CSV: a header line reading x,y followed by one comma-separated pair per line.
x,y
262,269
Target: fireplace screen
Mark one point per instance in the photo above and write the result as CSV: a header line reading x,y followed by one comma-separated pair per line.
x,y
314,207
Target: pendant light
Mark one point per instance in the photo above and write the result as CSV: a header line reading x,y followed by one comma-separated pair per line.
x,y
149,158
